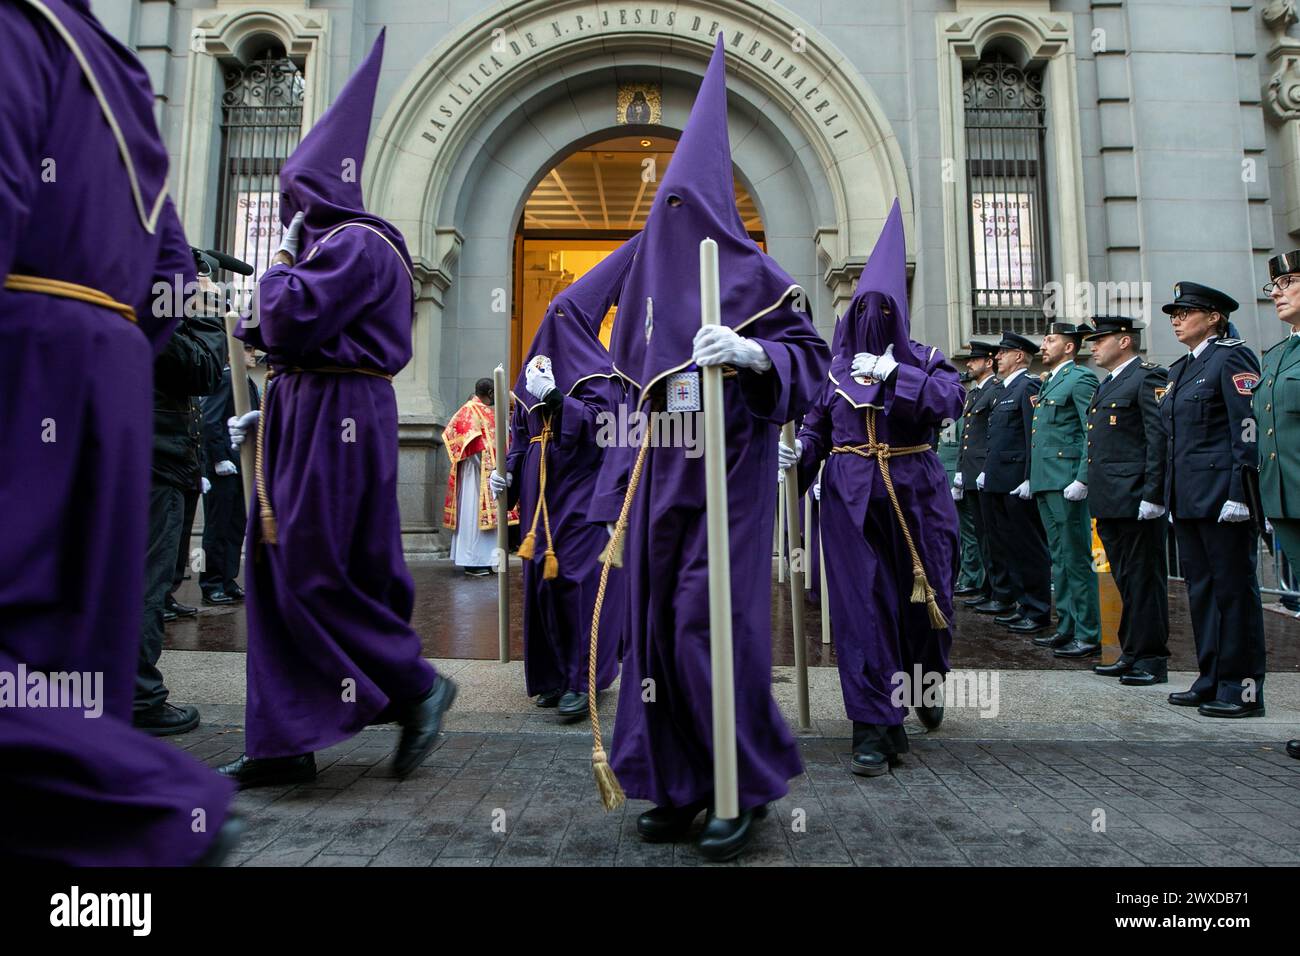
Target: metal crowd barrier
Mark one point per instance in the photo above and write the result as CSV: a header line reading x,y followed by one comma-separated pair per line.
x,y
1275,573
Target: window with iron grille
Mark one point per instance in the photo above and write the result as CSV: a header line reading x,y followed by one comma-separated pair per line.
x,y
261,123
1005,129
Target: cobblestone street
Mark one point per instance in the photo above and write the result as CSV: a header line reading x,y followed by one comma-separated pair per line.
x,y
493,799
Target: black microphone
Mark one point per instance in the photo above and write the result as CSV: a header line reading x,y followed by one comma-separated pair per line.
x,y
229,262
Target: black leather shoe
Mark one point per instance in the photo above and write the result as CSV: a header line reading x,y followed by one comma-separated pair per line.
x,y
217,598
573,704
232,830
976,601
722,840
969,592
1187,698
177,608
1053,640
666,824
1143,679
871,763
1117,669
1076,649
166,720
421,725
1028,626
1223,708
1293,749
550,699
478,572
168,616
235,591
994,607
270,771
1006,620
930,717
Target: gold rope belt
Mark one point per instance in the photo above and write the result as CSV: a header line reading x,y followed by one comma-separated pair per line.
x,y
528,547
69,290
922,593
270,532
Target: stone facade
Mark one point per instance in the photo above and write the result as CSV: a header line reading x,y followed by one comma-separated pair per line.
x,y
1173,143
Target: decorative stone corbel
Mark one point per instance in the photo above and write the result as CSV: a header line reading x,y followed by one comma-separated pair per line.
x,y
1282,101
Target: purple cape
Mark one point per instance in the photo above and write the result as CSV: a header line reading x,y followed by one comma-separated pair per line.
x,y
663,738
75,439
695,200
879,632
330,644
557,612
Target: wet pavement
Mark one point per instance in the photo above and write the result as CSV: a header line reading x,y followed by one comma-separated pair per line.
x,y
500,799
456,617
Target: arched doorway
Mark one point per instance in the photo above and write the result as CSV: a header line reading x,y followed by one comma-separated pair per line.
x,y
579,211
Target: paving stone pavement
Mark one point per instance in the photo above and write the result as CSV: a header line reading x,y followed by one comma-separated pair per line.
x,y
952,802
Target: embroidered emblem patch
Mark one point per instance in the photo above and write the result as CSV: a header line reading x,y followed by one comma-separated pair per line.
x,y
1033,400
1160,393
1245,382
684,392
1114,419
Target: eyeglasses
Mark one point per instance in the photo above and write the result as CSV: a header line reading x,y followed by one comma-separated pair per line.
x,y
1281,283
1181,314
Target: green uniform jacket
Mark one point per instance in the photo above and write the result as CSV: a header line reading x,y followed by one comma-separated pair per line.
x,y
948,446
1276,402
1060,428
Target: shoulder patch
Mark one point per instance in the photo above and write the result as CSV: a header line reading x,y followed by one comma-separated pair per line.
x,y
1033,399
1230,342
1149,365
1160,393
1245,382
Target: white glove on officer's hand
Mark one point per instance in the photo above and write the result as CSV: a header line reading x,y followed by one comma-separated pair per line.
x,y
958,481
1234,511
204,486
240,427
289,243
1268,526
539,379
1022,491
225,468
1075,491
817,490
787,456
720,345
979,481
498,484
1148,510
957,493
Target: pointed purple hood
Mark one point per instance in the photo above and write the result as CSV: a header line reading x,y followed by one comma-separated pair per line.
x,y
569,334
120,80
322,178
877,316
696,200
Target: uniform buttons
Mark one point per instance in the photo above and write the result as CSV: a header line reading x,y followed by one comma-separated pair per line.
x,y
1272,454
1268,407
1090,426
1112,405
1270,431
1058,454
1090,461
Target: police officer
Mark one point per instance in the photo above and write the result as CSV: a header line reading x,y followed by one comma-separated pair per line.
x,y
1011,520
1277,412
1210,444
996,597
1126,469
1058,477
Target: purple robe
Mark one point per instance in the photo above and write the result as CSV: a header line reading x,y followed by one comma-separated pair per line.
x,y
879,632
662,746
75,439
557,612
330,645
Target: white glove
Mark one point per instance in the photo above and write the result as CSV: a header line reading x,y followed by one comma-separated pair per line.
x,y
539,379
958,481
1148,510
609,526
1233,511
878,367
1022,491
817,490
1268,526
290,241
787,456
720,345
204,486
240,427
1075,491
979,481
957,493
225,468
497,484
